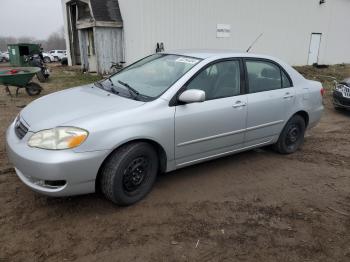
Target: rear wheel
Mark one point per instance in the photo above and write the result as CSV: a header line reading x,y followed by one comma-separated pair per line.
x,y
292,136
41,77
33,89
129,173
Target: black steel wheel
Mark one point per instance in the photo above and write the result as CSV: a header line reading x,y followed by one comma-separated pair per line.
x,y
292,136
129,173
33,89
135,174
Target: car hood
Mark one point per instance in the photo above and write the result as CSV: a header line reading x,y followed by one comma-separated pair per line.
x,y
66,106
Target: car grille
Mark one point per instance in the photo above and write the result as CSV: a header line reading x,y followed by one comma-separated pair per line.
x,y
20,129
346,91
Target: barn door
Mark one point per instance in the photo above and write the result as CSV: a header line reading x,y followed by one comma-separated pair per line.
x,y
314,48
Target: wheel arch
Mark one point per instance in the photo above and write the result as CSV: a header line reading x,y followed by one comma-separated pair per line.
x,y
304,115
159,149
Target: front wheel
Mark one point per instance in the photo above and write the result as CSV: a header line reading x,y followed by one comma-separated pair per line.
x,y
292,136
33,89
129,173
47,60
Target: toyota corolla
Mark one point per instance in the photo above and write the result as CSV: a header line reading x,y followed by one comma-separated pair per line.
x,y
164,112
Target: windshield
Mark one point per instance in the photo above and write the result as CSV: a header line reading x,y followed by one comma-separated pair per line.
x,y
153,75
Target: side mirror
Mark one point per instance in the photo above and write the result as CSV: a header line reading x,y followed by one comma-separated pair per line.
x,y
192,96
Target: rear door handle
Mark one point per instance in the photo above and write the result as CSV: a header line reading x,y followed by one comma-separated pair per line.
x,y
288,95
239,104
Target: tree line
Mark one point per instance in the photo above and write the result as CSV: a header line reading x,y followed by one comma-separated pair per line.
x,y
54,41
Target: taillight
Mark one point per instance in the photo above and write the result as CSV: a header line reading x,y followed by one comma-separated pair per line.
x,y
323,91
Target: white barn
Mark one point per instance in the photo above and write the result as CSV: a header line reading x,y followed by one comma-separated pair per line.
x,y
299,32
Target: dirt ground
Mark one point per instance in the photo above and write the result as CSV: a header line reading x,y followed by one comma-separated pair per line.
x,y
254,206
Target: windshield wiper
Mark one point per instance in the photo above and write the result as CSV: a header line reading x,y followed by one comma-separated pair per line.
x,y
109,89
134,93
98,84
110,80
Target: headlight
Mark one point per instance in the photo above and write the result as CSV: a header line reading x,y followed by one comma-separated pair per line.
x,y
58,138
339,88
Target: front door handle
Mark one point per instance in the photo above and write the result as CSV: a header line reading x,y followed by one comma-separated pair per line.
x,y
239,104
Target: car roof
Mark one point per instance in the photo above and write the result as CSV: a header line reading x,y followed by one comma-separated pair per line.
x,y
206,54
222,54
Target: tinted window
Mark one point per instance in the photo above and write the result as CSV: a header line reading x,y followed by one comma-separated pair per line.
x,y
265,76
219,80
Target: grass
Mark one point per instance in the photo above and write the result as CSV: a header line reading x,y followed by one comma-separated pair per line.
x,y
63,78
325,75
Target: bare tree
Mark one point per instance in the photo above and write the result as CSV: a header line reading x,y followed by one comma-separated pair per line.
x,y
4,41
54,41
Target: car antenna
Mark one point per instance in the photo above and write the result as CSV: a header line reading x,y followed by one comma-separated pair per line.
x,y
256,40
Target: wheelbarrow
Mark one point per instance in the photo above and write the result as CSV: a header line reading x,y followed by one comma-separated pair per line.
x,y
20,78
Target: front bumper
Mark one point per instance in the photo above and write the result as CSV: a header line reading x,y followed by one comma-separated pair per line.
x,y
54,173
340,101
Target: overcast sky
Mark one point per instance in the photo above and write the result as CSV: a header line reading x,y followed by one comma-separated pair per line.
x,y
34,18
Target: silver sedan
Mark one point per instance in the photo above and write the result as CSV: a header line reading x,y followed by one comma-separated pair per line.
x,y
162,113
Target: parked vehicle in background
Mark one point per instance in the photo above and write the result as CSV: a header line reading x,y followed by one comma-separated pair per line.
x,y
48,58
341,94
64,60
165,112
4,57
58,54
7,55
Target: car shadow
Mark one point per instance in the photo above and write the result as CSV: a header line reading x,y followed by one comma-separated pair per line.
x,y
97,204
343,112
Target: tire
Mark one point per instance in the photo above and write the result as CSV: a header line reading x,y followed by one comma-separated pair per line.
x,y
41,77
292,136
338,108
33,89
64,61
129,173
47,60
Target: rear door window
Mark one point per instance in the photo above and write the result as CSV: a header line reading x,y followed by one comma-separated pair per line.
x,y
265,76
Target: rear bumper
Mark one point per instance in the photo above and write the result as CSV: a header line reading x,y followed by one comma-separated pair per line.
x,y
41,170
315,116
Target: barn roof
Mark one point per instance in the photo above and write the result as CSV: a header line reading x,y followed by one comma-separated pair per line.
x,y
106,10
